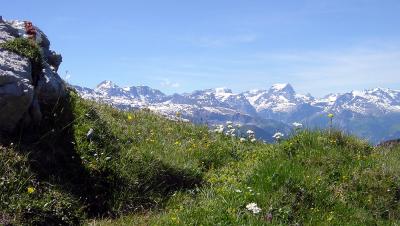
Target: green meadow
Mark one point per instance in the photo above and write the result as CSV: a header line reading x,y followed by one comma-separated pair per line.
x,y
138,168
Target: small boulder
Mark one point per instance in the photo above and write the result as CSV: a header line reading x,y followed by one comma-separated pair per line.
x,y
89,134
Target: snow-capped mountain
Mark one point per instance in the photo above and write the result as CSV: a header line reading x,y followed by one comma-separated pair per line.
x,y
279,98
269,110
281,102
374,102
235,101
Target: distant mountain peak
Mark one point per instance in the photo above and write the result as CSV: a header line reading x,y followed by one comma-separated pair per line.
x,y
280,103
223,90
106,84
281,86
254,91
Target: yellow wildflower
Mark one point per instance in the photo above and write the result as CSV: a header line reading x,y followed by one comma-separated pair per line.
x,y
330,115
31,190
130,118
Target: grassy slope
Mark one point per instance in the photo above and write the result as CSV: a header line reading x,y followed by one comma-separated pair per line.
x,y
133,162
314,178
146,170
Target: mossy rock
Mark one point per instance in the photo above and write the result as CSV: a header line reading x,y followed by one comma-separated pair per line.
x,y
28,49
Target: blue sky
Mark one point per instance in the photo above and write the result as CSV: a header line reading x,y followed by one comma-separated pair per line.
x,y
319,46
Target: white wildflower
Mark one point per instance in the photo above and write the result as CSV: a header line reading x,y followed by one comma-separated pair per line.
x,y
278,136
251,135
229,122
253,140
231,131
250,132
253,208
297,125
219,129
242,139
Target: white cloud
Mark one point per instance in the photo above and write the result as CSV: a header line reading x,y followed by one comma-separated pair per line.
x,y
168,84
325,71
316,71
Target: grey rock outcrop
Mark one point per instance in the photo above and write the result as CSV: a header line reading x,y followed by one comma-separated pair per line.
x,y
50,87
20,98
16,89
390,143
7,32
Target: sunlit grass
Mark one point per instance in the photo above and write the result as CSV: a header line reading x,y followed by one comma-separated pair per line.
x,y
312,178
138,168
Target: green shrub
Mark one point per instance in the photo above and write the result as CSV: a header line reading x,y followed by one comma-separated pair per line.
x,y
28,49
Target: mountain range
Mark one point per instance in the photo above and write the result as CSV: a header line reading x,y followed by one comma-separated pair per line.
x,y
372,114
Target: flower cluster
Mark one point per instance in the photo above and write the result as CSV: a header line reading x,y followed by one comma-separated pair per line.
x,y
30,30
252,207
219,129
251,135
231,130
278,136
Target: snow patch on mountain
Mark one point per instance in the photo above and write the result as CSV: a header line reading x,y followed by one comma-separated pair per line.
x,y
223,93
280,86
278,103
280,98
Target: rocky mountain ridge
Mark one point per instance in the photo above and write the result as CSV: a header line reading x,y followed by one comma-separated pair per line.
x,y
276,107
